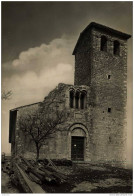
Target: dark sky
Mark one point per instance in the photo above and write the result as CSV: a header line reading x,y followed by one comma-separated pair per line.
x,y
28,24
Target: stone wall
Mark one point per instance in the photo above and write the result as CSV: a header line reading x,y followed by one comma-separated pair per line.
x,y
109,93
83,60
59,146
22,142
108,128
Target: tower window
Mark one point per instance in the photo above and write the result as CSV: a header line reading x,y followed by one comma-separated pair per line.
x,y
116,48
109,110
110,139
103,44
109,76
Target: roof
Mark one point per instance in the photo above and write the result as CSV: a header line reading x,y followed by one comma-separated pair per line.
x,y
104,28
25,106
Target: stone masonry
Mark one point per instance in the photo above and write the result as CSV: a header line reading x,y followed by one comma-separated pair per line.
x,y
109,128
102,75
59,146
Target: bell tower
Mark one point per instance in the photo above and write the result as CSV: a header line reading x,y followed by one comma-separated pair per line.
x,y
101,63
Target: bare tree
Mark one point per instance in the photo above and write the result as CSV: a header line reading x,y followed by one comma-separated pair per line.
x,y
41,125
6,95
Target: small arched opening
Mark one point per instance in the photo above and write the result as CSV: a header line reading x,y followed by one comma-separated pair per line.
x,y
83,100
103,44
116,48
71,98
77,95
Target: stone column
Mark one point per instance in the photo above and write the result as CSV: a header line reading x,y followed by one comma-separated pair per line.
x,y
74,100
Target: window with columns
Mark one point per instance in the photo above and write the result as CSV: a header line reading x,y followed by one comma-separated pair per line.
x,y
78,99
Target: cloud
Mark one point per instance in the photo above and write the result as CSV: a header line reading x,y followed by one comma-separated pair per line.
x,y
40,69
24,87
34,74
42,57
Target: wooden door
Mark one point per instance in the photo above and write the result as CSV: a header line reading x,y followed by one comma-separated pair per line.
x,y
77,148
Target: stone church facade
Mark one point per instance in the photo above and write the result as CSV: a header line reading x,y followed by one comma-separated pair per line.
x,y
96,126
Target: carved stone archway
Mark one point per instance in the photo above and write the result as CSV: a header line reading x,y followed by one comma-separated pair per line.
x,y
77,130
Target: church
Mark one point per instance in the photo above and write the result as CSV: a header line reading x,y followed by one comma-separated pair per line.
x,y
95,129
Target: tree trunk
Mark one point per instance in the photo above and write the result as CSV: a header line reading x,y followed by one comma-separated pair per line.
x,y
38,152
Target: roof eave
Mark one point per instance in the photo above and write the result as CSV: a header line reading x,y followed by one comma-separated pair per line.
x,y
25,106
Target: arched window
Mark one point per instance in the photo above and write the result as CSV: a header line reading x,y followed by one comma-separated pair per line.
x,y
71,99
83,100
77,99
116,49
103,44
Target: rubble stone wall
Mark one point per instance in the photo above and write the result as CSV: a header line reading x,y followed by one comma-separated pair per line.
x,y
59,146
108,127
111,93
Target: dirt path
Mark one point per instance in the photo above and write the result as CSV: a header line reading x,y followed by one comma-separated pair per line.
x,y
6,185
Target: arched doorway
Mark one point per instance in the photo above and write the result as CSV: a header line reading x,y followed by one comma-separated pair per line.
x,y
78,137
